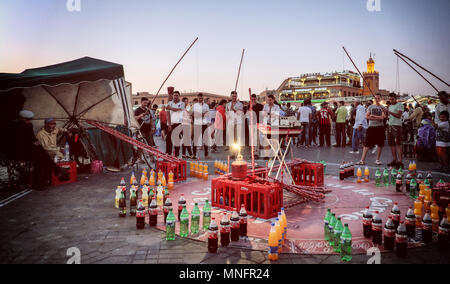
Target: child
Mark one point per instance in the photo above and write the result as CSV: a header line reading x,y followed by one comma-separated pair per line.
x,y
442,140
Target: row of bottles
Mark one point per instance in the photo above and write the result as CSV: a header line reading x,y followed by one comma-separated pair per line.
x,y
338,236
221,168
199,170
277,235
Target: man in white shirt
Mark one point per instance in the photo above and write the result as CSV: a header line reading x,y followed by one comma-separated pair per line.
x,y
201,122
235,117
359,129
271,117
175,109
305,117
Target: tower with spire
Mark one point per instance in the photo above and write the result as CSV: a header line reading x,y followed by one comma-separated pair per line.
x,y
371,78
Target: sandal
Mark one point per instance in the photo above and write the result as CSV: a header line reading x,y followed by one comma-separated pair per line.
x,y
360,163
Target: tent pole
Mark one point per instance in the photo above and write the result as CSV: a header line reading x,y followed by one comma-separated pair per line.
x,y
239,71
76,100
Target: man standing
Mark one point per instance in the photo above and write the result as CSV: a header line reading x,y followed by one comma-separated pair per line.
x,y
312,126
201,121
186,122
325,117
305,117
219,125
375,132
359,128
144,117
47,137
395,112
175,108
257,108
271,117
341,119
235,115
442,106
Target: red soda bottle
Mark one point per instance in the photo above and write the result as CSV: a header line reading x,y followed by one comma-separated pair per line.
x,y
234,221
401,240
444,229
395,213
389,234
410,223
153,213
225,230
243,222
140,216
213,236
181,202
166,208
367,223
377,229
427,232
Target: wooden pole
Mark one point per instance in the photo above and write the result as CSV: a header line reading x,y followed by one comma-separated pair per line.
x,y
239,72
252,140
360,74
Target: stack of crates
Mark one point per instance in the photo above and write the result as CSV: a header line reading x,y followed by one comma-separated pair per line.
x,y
179,169
308,174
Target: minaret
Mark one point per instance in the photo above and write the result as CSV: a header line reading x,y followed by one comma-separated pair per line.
x,y
371,78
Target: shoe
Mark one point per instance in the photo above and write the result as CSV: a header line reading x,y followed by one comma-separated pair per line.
x,y
392,164
353,152
360,163
335,145
378,163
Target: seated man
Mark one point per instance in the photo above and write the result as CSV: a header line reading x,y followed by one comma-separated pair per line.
x,y
47,137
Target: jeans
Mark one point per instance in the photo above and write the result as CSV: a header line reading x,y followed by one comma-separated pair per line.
x,y
312,133
358,135
305,134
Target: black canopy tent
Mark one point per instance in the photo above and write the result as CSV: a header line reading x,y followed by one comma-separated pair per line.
x,y
75,92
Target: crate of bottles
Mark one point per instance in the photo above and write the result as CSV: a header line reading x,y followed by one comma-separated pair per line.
x,y
308,174
179,169
262,199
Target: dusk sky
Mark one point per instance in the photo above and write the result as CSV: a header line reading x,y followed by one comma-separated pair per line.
x,y
282,38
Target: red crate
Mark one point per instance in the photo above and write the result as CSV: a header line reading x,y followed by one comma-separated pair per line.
x,y
178,169
72,166
309,174
262,200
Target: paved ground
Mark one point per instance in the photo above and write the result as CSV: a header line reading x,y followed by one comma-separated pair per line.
x,y
40,227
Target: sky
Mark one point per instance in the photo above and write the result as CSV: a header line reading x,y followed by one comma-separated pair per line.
x,y
282,38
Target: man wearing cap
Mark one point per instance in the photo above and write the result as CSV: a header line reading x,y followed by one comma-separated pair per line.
x,y
47,137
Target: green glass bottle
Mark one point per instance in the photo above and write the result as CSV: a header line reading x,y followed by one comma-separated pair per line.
x,y
195,219
151,194
393,176
346,244
338,228
378,178
326,221
386,177
122,205
400,171
184,222
413,189
331,225
170,226
206,215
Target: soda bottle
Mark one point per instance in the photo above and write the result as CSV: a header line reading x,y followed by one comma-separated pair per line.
x,y
401,240
181,202
152,181
133,202
170,184
430,179
205,172
342,172
393,176
427,225
140,216
422,190
145,197
395,213
117,198
378,178
367,223
418,212
160,175
225,230
170,226
386,177
279,236
377,229
419,178
243,222
413,189
132,178
410,223
273,243
408,182
184,222
206,215
195,219
284,219
399,183
401,172
234,221
338,228
326,221
389,234
165,195
346,244
122,205
122,182
213,236
366,174
359,175
280,217
153,213
414,168
443,232
435,216
331,225
447,212
166,208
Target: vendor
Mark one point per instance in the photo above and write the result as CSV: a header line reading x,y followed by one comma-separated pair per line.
x,y
47,137
271,112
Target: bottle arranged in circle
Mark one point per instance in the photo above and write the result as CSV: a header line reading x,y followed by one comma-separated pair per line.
x,y
213,236
234,223
195,219
181,203
378,178
140,216
133,202
243,222
408,182
401,240
399,183
225,230
427,232
273,243
419,178
331,225
366,174
443,233
367,223
346,244
166,208
430,179
341,172
206,215
389,234
410,223
338,228
284,219
413,189
184,222
153,213
326,221
122,205
395,213
393,176
377,229
386,177
170,226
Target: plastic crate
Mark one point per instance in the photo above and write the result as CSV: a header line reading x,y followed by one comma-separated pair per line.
x,y
72,167
261,200
309,174
178,169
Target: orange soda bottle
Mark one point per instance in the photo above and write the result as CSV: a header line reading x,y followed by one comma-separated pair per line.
x,y
205,172
192,169
435,216
279,235
283,215
273,243
366,174
170,185
418,212
359,175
